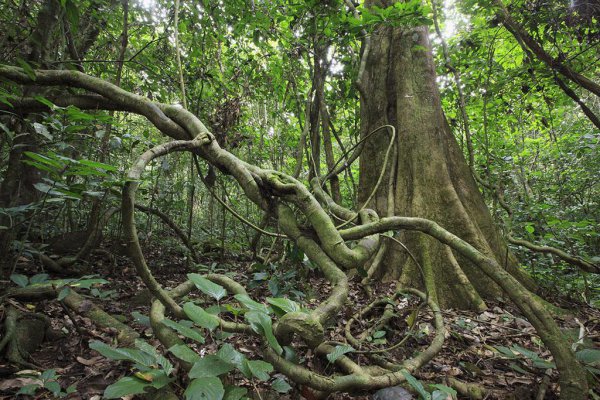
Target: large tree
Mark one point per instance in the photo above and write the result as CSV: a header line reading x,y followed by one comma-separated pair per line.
x,y
426,174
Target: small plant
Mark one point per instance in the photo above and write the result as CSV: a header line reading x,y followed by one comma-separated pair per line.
x,y
48,381
153,370
438,392
279,280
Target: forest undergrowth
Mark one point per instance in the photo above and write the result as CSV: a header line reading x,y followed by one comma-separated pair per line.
x,y
495,354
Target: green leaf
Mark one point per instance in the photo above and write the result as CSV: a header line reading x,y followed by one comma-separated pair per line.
x,y
206,388
505,351
207,287
280,385
64,292
445,390
29,390
200,317
260,369
251,304
45,101
261,323
589,356
186,331
184,353
141,318
44,159
112,353
517,368
19,279
42,130
412,381
96,164
124,387
339,351
527,353
283,304
230,355
39,278
27,69
543,364
210,365
378,334
53,386
234,392
48,374
160,359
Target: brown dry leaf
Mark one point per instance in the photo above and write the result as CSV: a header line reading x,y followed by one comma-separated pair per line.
x,y
7,384
89,362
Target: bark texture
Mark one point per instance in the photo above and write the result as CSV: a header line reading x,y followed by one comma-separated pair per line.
x,y
428,177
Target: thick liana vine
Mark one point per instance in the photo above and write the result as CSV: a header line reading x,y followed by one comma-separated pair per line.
x,y
314,233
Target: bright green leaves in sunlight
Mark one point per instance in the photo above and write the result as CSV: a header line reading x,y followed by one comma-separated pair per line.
x,y
206,286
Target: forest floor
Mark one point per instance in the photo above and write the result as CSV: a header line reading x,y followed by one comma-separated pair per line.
x,y
496,349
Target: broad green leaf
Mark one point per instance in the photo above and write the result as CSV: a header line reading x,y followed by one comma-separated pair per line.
x,y
29,389
210,365
112,353
527,353
505,351
339,351
160,359
141,318
184,353
230,355
44,101
88,283
53,386
42,130
29,71
234,392
543,364
589,356
280,385
96,164
64,292
445,390
39,278
186,331
207,287
44,159
200,316
48,374
517,368
412,381
378,334
261,323
124,387
283,304
251,304
20,280
260,369
206,388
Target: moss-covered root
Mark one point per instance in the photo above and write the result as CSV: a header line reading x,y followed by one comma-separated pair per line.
x,y
573,384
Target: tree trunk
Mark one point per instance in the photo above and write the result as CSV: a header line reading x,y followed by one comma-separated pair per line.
x,y
430,177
